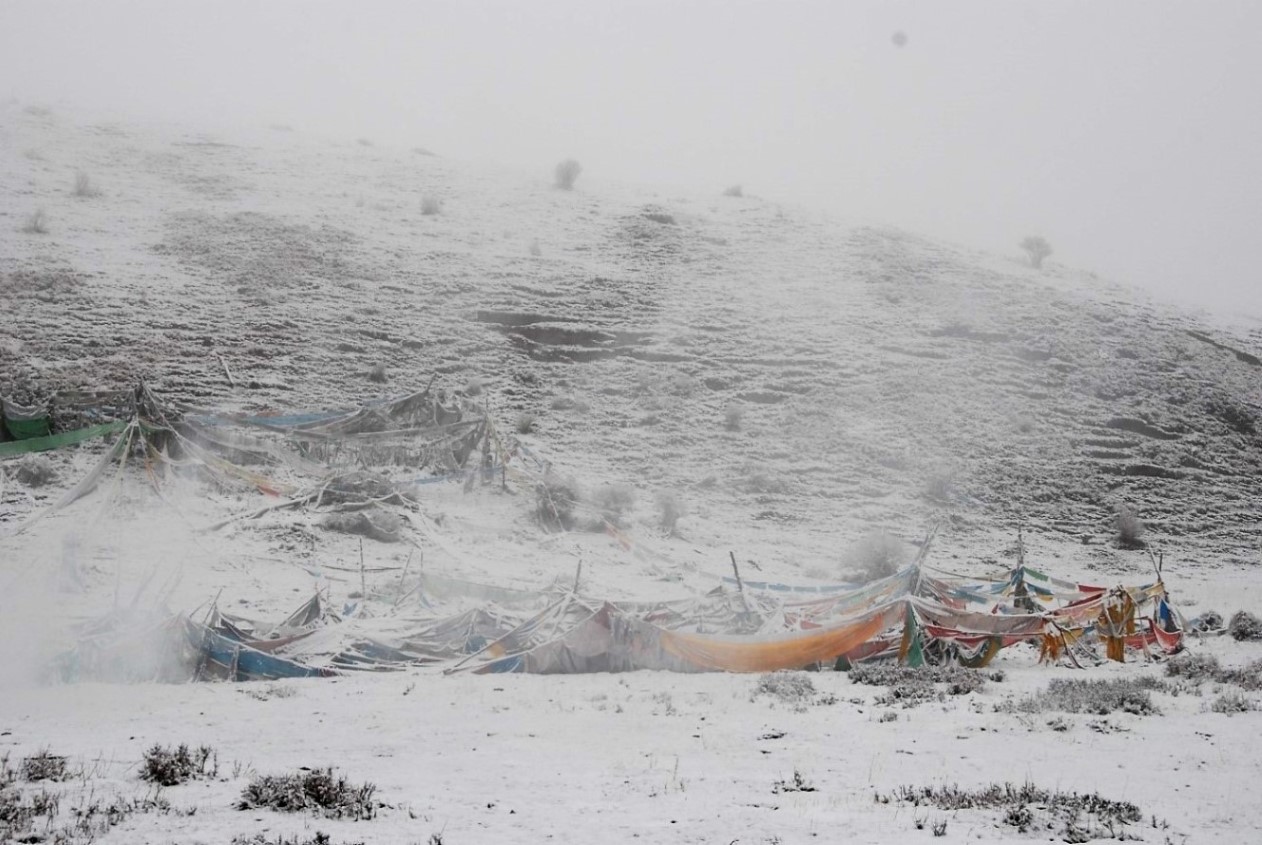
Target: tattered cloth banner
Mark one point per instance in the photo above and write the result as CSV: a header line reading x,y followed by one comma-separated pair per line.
x,y
611,641
792,651
58,441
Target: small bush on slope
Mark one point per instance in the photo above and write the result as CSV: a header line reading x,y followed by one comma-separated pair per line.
x,y
566,174
911,687
614,502
37,223
878,554
669,511
1130,528
83,186
555,500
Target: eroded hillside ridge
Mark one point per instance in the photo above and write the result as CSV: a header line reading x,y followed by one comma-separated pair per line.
x,y
774,368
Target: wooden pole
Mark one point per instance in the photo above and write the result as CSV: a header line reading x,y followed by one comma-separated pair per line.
x,y
740,585
231,381
404,573
363,584
577,574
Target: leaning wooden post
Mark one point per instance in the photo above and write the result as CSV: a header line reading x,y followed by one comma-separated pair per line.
x,y
740,586
577,573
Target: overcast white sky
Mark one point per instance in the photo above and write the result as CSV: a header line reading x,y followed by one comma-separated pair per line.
x,y
1128,133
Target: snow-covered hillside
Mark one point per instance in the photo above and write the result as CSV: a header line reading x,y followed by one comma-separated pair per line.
x,y
787,381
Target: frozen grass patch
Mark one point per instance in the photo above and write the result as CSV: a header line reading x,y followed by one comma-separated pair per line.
x,y
1069,816
174,766
798,783
909,687
44,766
297,839
316,790
795,689
1194,667
1100,697
1198,668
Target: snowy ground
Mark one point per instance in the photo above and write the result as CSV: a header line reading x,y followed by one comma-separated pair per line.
x,y
881,380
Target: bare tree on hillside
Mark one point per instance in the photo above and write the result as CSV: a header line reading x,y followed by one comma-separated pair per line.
x,y
1038,249
567,171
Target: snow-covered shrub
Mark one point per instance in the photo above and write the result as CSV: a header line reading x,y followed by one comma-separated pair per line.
x,y
878,554
37,223
555,500
1038,249
35,471
173,766
669,510
733,417
1247,677
910,687
793,688
614,501
377,374
734,191
311,789
1193,667
525,422
1231,702
44,766
83,186
431,206
566,174
1130,528
1244,626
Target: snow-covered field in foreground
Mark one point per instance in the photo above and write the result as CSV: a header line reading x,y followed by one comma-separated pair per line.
x,y
643,756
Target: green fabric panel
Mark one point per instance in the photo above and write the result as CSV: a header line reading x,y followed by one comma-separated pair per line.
x,y
912,651
57,441
27,429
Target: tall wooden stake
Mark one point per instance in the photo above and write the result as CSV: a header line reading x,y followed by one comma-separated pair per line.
x,y
363,585
577,573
